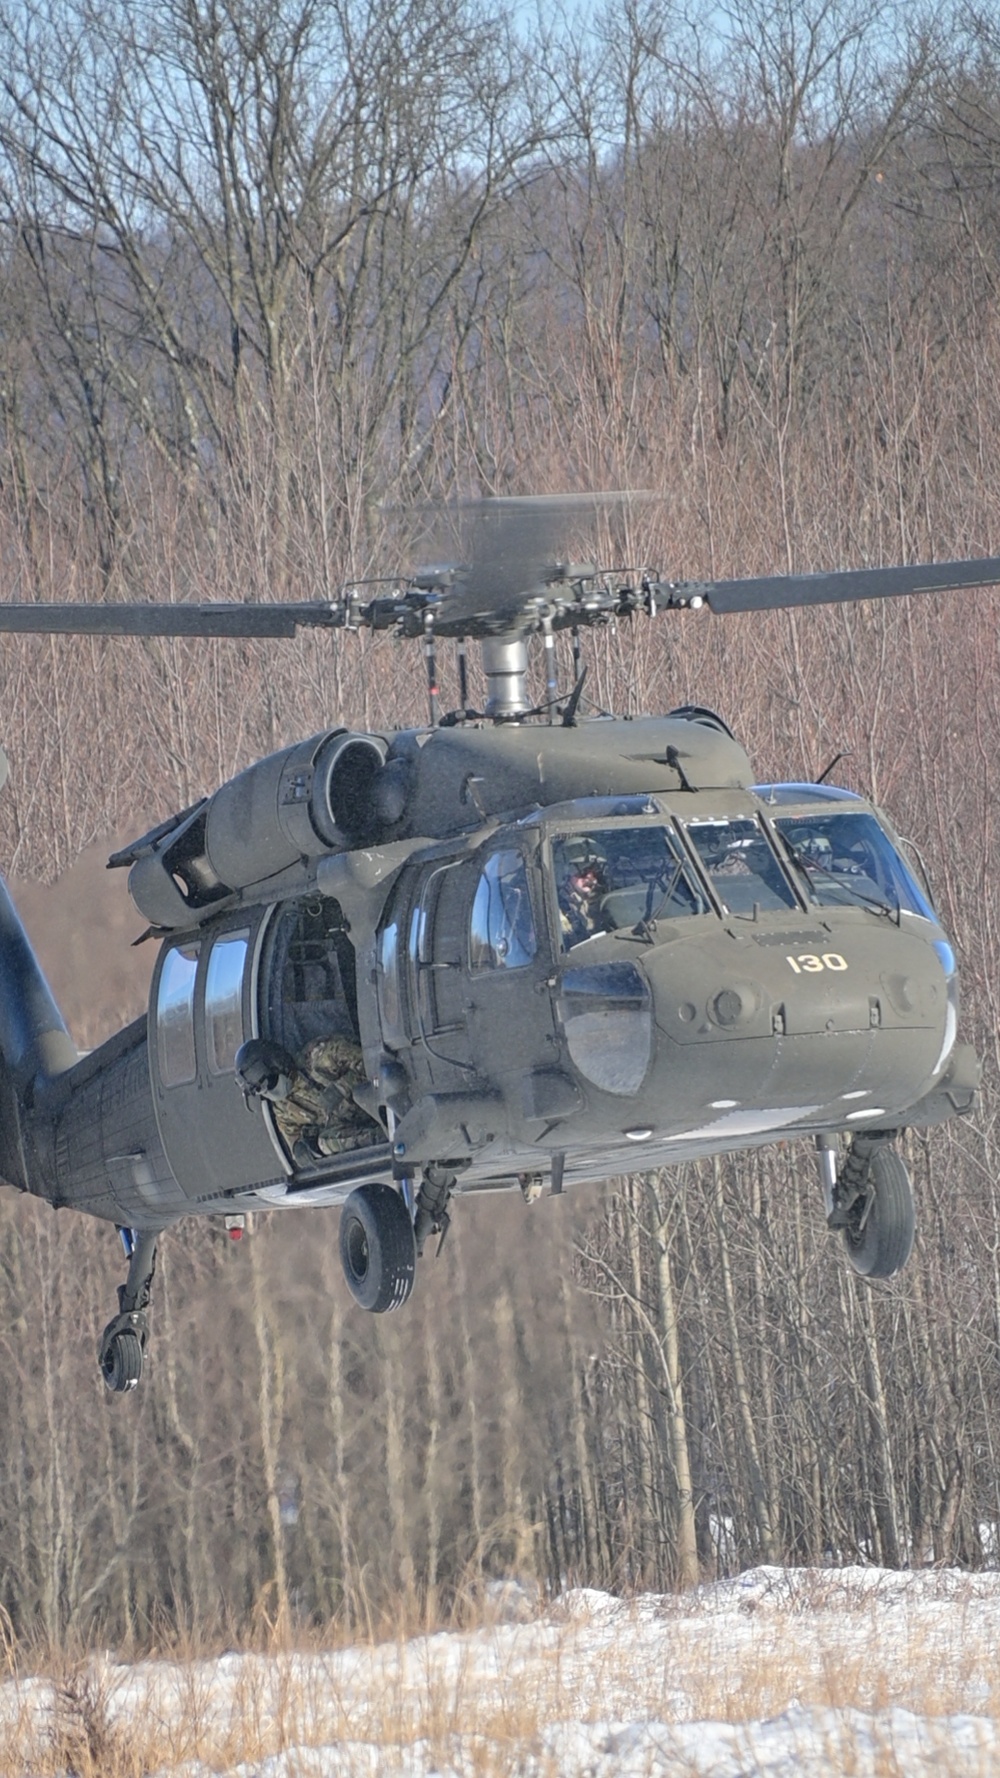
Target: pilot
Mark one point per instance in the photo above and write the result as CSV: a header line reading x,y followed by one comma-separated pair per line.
x,y
582,887
311,1095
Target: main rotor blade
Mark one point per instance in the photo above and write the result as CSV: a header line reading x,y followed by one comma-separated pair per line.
x,y
166,620
776,592
512,563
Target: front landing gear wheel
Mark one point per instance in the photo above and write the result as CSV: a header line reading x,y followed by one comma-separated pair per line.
x,y
881,1222
121,1361
377,1248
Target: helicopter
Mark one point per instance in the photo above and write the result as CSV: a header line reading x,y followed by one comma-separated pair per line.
x,y
514,949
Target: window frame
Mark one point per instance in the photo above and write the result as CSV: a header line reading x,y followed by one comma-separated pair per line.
x,y
895,876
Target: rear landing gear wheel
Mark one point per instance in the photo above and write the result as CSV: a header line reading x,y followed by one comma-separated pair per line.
x,y
377,1248
121,1361
882,1222
123,1342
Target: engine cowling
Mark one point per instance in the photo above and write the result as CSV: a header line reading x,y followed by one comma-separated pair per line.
x,y
310,799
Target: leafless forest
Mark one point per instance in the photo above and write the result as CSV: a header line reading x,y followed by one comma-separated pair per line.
x,y
277,276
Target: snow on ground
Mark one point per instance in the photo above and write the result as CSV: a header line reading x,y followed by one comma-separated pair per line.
x,y
856,1672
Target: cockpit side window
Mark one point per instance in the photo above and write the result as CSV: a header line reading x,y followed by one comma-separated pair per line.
x,y
611,878
389,976
741,865
502,928
848,858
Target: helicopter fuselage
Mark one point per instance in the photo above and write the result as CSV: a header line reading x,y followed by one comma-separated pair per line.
x,y
742,964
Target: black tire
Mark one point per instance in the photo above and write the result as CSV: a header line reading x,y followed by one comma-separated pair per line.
x,y
121,1365
883,1245
377,1248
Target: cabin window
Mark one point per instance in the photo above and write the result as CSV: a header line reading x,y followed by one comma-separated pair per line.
x,y
224,1000
502,928
175,1016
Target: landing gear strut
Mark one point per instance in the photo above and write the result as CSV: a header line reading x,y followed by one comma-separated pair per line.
x,y
871,1201
123,1342
431,1216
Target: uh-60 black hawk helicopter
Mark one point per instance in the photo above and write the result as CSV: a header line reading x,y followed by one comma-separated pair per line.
x,y
513,949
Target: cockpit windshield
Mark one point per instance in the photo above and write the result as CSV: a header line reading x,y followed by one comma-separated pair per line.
x,y
609,878
848,858
741,866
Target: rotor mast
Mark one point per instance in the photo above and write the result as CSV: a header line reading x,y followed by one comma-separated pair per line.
x,y
505,664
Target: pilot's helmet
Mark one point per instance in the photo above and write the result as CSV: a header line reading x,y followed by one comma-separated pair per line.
x,y
715,843
581,857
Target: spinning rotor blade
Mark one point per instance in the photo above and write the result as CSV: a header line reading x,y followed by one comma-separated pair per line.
x,y
512,547
777,592
166,620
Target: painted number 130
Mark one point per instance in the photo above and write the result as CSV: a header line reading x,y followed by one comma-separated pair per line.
x,y
810,964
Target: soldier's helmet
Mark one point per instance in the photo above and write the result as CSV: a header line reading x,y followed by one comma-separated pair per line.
x,y
264,1070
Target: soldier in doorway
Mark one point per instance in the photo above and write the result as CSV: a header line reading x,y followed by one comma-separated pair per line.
x,y
311,1095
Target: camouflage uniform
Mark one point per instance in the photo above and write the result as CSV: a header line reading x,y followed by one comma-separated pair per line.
x,y
318,1112
578,911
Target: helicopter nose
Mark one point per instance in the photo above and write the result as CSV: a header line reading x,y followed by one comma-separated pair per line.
x,y
762,1022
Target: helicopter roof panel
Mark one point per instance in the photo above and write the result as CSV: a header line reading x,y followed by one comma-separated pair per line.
x,y
462,776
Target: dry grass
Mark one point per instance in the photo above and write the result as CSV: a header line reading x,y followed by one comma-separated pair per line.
x,y
484,1701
